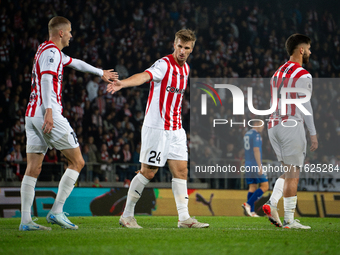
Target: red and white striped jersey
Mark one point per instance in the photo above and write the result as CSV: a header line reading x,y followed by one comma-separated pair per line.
x,y
167,85
289,75
48,59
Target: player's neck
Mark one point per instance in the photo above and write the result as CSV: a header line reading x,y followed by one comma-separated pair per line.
x,y
296,59
57,42
181,64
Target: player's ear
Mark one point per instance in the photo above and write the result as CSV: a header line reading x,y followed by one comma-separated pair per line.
x,y
302,50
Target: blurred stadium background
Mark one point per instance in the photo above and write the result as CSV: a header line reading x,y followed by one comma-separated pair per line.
x,y
236,39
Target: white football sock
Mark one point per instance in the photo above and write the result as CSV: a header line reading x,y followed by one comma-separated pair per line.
x,y
65,188
27,197
289,204
277,192
180,191
135,192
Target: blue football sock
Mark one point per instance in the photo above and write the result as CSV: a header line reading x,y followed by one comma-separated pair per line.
x,y
256,195
249,195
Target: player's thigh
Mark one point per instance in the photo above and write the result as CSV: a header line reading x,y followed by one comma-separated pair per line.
x,y
293,140
178,154
178,168
178,149
62,136
155,146
275,142
76,161
252,187
264,185
35,142
289,143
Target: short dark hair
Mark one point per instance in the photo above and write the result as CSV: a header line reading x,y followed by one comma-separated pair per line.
x,y
294,40
55,22
186,35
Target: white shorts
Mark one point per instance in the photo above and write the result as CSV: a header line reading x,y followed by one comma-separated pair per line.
x,y
61,137
289,143
159,145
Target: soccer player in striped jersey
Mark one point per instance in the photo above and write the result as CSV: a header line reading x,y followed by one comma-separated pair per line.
x,y
46,127
163,138
286,132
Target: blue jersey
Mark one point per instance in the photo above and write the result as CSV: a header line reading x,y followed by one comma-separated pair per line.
x,y
251,140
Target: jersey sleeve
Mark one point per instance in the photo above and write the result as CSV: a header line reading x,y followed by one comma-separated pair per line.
x,y
305,82
157,70
49,61
256,140
66,59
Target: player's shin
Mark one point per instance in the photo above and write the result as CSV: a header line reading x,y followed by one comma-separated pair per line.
x,y
289,207
27,196
277,192
65,188
135,192
180,191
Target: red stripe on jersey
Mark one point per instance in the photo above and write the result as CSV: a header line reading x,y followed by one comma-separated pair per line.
x,y
289,74
163,88
61,82
187,69
28,109
69,62
173,61
177,108
294,95
37,87
49,72
169,99
150,97
151,76
36,81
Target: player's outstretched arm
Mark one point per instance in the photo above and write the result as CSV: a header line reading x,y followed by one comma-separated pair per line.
x,y
134,80
106,75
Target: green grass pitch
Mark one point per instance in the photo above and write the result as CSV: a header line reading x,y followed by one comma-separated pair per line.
x,y
160,235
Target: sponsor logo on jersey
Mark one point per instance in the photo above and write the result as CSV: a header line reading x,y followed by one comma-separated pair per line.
x,y
175,90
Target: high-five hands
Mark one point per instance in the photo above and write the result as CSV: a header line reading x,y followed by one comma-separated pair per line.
x,y
109,75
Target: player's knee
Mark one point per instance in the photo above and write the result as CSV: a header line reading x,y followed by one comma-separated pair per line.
x,y
264,186
148,174
81,163
77,164
181,173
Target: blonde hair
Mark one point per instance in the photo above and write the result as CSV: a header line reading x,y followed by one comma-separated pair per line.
x,y
186,35
57,22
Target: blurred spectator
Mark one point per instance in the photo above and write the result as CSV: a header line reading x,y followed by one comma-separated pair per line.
x,y
105,161
117,158
51,171
96,183
92,88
